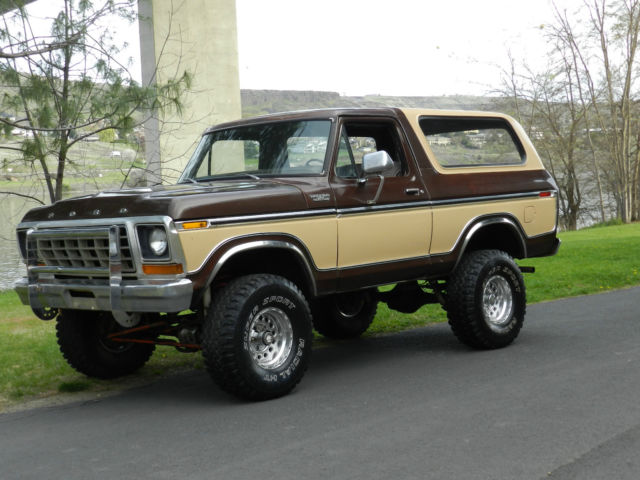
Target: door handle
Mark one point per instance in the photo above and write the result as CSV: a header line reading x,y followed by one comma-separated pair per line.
x,y
413,191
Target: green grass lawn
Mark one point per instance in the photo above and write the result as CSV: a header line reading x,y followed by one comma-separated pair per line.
x,y
589,261
31,366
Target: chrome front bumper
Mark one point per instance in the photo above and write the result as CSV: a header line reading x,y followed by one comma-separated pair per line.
x,y
102,287
135,295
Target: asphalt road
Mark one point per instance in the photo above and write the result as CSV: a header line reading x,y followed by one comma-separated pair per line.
x,y
562,402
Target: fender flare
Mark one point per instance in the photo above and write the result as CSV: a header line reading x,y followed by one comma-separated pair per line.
x,y
482,222
232,247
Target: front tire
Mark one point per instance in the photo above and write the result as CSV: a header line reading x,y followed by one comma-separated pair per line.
x,y
257,337
84,343
486,300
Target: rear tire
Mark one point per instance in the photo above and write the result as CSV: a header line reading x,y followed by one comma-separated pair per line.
x,y
82,337
486,300
345,315
257,337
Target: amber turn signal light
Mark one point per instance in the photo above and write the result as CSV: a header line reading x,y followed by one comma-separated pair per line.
x,y
171,269
191,225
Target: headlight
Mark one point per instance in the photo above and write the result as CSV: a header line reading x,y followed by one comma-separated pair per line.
x,y
158,241
154,244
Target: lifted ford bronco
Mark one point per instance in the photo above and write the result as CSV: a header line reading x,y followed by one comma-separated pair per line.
x,y
291,221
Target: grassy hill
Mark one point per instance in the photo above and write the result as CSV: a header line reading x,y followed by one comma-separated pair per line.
x,y
260,102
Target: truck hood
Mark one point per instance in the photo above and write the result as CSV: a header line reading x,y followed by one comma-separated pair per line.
x,y
180,202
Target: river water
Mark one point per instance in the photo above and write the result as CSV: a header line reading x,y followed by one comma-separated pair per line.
x,y
12,209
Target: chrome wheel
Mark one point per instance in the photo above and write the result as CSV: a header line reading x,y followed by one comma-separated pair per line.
x,y
270,338
497,301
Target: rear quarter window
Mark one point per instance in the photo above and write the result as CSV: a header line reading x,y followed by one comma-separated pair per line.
x,y
472,142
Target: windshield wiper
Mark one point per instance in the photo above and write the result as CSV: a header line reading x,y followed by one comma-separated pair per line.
x,y
223,176
251,175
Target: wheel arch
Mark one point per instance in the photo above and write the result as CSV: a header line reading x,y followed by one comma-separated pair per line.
x,y
282,255
502,232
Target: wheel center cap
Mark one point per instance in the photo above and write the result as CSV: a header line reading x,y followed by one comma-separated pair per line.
x,y
268,338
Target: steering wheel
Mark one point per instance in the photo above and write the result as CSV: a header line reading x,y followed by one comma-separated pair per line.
x,y
314,160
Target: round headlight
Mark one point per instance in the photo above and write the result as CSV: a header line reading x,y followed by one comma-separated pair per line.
x,y
158,241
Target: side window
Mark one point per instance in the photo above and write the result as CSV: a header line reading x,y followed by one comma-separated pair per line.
x,y
472,142
358,139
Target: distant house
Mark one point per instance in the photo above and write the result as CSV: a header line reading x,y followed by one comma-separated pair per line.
x,y
438,140
478,139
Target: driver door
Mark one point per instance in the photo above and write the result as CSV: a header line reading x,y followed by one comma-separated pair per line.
x,y
383,240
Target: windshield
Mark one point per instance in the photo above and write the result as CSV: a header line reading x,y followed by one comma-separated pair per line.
x,y
272,149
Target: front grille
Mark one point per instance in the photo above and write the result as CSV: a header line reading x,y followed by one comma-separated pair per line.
x,y
83,252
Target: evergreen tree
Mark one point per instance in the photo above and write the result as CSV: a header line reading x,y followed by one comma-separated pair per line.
x,y
69,83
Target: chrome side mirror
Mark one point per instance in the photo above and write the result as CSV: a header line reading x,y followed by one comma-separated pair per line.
x,y
376,162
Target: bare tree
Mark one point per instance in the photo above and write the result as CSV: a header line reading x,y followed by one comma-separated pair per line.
x,y
545,104
605,52
583,111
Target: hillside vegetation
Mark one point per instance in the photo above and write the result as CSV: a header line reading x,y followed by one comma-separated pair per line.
x,y
261,102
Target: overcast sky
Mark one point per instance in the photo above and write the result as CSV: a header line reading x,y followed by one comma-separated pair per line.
x,y
398,47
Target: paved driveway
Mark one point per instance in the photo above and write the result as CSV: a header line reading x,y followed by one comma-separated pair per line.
x,y
562,402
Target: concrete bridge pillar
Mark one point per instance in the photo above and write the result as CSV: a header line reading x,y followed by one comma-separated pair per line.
x,y
200,37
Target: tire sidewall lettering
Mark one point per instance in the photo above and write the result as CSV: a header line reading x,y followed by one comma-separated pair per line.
x,y
279,299
507,272
291,368
289,306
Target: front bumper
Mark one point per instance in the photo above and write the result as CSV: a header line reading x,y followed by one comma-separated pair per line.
x,y
134,296
97,266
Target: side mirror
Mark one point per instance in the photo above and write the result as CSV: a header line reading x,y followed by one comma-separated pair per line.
x,y
376,163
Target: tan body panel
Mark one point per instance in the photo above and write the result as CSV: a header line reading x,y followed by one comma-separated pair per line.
x,y
318,234
380,237
351,240
536,216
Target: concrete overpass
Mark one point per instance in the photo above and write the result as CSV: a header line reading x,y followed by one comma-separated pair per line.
x,y
199,36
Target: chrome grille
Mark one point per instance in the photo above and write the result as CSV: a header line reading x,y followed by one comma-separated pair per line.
x,y
83,251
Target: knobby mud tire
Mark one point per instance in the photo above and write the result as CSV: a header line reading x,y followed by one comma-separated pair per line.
x,y
250,315
82,338
486,300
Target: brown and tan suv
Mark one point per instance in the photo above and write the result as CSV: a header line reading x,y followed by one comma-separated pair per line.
x,y
289,221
